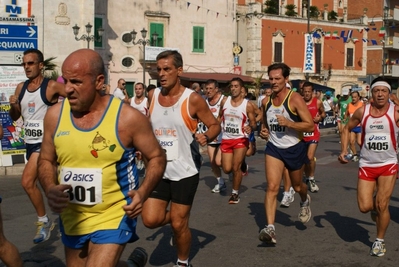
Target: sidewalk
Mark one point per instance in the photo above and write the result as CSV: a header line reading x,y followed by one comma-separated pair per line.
x,y
17,169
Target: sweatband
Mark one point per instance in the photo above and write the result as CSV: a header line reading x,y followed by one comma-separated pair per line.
x,y
381,83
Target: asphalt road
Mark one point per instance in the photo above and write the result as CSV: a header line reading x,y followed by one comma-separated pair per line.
x,y
227,235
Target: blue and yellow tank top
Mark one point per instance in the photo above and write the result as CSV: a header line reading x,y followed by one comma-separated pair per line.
x,y
99,168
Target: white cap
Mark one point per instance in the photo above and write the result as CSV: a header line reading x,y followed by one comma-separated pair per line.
x,y
345,91
288,85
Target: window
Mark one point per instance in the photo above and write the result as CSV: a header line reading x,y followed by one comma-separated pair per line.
x,y
278,52
317,51
127,62
158,29
198,39
349,57
98,23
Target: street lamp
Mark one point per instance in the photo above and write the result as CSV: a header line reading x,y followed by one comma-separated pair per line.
x,y
143,42
87,37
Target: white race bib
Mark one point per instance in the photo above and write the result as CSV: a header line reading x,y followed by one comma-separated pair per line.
x,y
33,130
171,147
86,184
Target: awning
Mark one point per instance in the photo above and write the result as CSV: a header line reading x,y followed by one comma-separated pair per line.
x,y
316,86
220,77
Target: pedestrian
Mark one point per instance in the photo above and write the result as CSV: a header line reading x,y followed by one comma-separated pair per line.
x,y
378,163
120,91
356,133
341,109
214,99
9,253
312,138
95,189
174,113
139,101
285,118
238,122
31,100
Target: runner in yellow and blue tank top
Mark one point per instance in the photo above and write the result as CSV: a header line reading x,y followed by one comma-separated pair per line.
x,y
86,166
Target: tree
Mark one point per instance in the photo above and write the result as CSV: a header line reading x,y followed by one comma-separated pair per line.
x,y
271,7
332,15
49,70
290,10
314,12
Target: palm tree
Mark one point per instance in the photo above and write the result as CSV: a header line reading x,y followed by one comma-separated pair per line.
x,y
49,70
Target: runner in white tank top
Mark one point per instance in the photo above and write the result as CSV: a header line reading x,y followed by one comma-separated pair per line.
x,y
378,164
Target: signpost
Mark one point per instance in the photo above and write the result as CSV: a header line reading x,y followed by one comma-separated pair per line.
x,y
17,37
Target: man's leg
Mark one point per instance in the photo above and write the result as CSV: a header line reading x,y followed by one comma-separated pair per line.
x,y
385,186
215,159
155,213
238,157
274,169
180,215
9,254
310,168
29,183
289,193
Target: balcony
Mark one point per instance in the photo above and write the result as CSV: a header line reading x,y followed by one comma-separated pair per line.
x,y
394,70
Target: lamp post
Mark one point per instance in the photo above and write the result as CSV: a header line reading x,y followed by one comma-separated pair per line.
x,y
87,37
308,29
143,42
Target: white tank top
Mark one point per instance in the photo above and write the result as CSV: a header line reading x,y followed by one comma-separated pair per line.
x,y
142,107
282,137
34,106
379,139
174,128
215,111
234,119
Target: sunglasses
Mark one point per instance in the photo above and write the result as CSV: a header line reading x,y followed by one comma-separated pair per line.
x,y
123,84
29,63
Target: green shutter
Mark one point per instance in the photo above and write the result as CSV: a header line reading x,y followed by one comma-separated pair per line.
x,y
157,28
198,39
98,23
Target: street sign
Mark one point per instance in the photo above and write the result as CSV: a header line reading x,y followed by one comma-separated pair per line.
x,y
17,37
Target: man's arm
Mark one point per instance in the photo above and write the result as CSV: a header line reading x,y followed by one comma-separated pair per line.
x,y
56,90
200,110
140,136
322,113
251,113
15,110
300,107
57,196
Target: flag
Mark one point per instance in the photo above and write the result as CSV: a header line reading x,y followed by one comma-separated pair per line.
x,y
327,35
342,34
382,32
366,29
360,30
365,40
355,40
373,42
349,34
309,55
335,35
316,35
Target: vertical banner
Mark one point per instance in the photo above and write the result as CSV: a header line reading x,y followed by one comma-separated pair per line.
x,y
13,139
308,62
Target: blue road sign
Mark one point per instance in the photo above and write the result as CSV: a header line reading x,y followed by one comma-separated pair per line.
x,y
17,37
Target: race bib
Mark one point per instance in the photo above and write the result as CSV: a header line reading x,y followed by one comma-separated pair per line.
x,y
308,134
33,130
377,143
86,184
171,147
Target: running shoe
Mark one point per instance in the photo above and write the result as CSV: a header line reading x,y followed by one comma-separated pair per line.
x,y
179,264
292,191
138,258
288,198
312,185
43,231
378,249
234,199
355,158
305,214
219,188
246,172
268,235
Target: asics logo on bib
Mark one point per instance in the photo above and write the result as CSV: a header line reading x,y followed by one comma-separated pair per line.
x,y
377,138
78,177
165,143
31,124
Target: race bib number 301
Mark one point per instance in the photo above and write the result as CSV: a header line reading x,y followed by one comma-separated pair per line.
x,y
86,184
